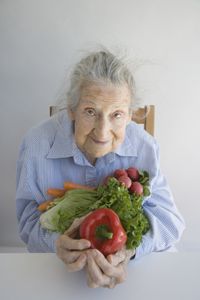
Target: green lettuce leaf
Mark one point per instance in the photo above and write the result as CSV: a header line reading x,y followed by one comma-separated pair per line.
x,y
74,204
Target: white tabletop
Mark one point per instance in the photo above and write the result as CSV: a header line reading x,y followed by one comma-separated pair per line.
x,y
160,276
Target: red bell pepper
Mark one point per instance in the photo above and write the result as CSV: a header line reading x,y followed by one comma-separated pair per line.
x,y
104,230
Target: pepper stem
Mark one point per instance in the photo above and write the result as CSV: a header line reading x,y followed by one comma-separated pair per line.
x,y
103,233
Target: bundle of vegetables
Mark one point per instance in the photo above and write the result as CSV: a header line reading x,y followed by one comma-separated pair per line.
x,y
123,193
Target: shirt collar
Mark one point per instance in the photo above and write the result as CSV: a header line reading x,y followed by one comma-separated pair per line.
x,y
63,144
129,145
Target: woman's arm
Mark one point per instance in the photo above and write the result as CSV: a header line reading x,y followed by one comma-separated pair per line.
x,y
166,222
36,238
28,196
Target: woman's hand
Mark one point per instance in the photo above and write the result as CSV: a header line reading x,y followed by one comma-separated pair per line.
x,y
107,272
72,251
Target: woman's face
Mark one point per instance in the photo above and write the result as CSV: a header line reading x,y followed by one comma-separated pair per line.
x,y
101,118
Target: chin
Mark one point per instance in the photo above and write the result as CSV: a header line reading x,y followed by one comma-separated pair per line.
x,y
101,153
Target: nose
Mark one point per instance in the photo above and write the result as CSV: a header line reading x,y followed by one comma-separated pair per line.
x,y
102,128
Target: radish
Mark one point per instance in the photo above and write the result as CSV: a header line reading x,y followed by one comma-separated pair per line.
x,y
125,180
133,173
136,188
120,172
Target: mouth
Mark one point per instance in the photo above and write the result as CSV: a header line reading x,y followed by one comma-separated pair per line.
x,y
100,142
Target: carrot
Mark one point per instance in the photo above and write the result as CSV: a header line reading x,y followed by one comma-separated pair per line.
x,y
75,186
43,206
60,192
56,192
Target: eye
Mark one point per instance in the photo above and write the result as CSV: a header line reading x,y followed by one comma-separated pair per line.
x,y
118,115
90,112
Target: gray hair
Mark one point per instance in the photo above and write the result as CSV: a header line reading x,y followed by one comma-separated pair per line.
x,y
100,67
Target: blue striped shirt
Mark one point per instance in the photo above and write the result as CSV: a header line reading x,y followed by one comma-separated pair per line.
x,y
49,156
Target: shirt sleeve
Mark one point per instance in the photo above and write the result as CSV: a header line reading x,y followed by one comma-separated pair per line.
x,y
28,192
166,222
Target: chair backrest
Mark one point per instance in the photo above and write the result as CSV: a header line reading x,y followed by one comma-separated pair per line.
x,y
144,115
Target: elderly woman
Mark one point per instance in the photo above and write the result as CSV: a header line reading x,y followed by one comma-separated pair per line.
x,y
84,144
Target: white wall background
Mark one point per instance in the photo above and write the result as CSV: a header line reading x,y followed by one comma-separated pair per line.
x,y
41,39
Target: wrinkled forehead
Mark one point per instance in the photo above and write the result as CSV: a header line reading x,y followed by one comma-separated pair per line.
x,y
105,93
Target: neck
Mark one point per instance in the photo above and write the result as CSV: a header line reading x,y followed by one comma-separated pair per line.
x,y
91,160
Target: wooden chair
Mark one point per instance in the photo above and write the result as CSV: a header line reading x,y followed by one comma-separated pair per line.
x,y
144,115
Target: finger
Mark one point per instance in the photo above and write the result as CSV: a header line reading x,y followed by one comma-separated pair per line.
x,y
117,258
95,273
71,244
75,225
78,265
113,283
104,265
90,282
123,255
69,256
105,281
